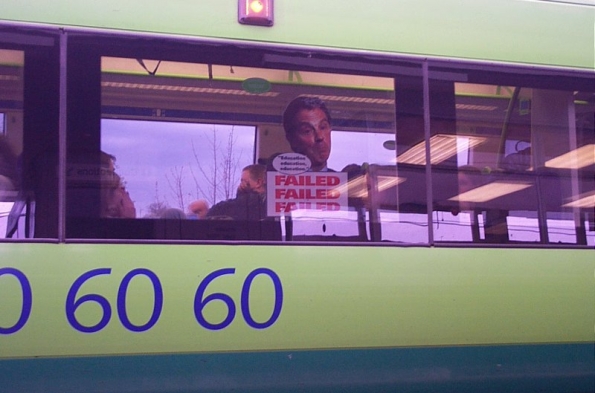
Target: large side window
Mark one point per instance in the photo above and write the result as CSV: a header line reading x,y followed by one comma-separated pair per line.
x,y
207,151
513,160
11,136
28,141
200,142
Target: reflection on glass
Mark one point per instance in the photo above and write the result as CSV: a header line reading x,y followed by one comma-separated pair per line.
x,y
583,201
11,142
490,191
358,187
442,147
527,173
154,117
177,163
576,159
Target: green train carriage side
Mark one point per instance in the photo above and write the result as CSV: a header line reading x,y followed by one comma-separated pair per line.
x,y
449,247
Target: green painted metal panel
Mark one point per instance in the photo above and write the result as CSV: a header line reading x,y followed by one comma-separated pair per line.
x,y
520,31
333,297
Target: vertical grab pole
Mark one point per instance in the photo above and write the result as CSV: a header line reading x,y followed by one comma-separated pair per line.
x,y
62,139
427,135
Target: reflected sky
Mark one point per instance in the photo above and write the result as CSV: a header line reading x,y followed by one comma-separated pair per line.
x,y
151,155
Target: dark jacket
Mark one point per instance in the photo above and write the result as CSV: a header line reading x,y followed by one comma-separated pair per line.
x,y
247,205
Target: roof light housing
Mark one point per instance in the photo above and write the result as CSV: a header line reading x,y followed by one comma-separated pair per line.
x,y
255,12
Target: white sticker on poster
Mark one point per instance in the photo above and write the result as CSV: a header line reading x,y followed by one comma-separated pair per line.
x,y
292,163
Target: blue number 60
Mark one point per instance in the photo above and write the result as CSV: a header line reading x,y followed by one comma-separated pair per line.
x,y
200,303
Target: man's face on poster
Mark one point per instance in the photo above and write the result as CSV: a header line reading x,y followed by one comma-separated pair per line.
x,y
311,136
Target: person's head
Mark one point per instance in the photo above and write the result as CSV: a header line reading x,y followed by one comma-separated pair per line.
x,y
307,124
173,214
200,208
253,179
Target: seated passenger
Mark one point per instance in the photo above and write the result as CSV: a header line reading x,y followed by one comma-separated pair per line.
x,y
250,201
173,214
253,179
198,209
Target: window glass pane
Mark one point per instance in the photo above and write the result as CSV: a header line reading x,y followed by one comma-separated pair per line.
x,y
12,219
275,155
513,164
399,191
159,180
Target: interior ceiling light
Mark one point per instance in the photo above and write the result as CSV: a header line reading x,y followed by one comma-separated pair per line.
x,y
586,200
490,191
359,100
476,107
576,159
185,89
358,187
442,147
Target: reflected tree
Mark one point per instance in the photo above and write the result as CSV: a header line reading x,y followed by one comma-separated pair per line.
x,y
215,180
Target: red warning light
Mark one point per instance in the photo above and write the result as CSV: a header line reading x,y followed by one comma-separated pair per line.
x,y
255,12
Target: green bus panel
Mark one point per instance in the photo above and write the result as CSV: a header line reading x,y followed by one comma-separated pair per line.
x,y
88,300
518,31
